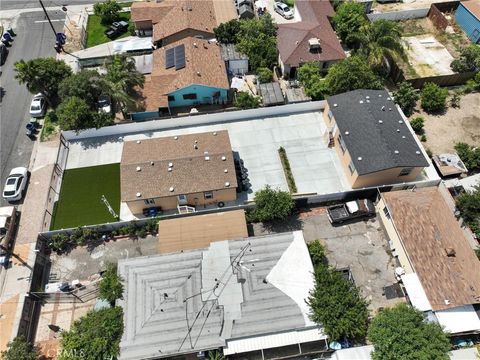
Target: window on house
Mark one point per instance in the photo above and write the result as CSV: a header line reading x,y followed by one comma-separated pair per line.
x,y
386,212
192,96
342,143
149,201
208,195
171,98
330,115
351,167
406,171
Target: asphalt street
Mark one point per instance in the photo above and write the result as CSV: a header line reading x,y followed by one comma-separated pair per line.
x,y
34,39
29,4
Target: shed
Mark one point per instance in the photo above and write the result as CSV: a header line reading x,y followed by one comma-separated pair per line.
x,y
467,17
235,62
245,11
296,95
271,94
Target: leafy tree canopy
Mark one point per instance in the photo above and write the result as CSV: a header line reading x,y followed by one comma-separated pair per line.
x,y
226,33
271,204
108,11
433,97
469,60
111,287
257,39
75,114
469,155
402,332
351,74
20,349
468,203
349,18
309,76
337,305
94,336
264,75
86,85
245,100
42,75
406,97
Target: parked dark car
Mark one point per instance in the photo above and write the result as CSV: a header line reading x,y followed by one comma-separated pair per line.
x,y
340,213
117,28
3,53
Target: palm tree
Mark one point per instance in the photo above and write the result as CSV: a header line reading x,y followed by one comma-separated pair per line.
x,y
379,42
217,355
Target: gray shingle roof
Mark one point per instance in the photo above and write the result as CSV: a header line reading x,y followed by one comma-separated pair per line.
x,y
374,131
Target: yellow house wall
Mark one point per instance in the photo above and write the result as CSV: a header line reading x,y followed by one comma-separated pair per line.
x,y
194,199
385,177
394,238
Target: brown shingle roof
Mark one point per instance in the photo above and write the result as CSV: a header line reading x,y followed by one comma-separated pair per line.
x,y
428,229
186,14
191,172
153,11
293,37
204,66
197,232
473,6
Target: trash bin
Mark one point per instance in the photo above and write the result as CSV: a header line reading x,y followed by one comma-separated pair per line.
x,y
11,32
7,36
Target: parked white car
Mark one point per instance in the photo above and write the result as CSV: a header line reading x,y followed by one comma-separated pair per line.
x,y
283,10
38,106
15,184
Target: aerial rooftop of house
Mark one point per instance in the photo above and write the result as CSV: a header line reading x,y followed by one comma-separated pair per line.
x,y
294,38
375,131
473,6
186,62
436,246
228,295
183,164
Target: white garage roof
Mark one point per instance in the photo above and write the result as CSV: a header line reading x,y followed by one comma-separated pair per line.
x,y
415,292
355,353
459,319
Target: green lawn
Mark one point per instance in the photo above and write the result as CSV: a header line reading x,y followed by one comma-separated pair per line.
x,y
95,30
80,202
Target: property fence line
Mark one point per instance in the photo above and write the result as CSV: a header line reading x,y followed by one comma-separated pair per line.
x,y
399,15
82,23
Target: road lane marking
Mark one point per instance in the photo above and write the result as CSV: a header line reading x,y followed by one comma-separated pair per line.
x,y
44,21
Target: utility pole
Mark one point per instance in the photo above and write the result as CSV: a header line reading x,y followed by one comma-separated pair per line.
x,y
48,18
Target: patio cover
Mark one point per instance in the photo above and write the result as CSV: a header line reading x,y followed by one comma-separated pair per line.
x,y
459,319
415,292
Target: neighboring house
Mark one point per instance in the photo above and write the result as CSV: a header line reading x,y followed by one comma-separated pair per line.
x,y
467,17
240,297
373,141
186,73
439,265
235,62
271,94
145,14
311,39
178,171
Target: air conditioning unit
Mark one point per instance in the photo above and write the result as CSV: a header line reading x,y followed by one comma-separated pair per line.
x,y
314,44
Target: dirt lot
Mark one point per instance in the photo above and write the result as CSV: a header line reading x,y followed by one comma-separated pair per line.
x,y
455,125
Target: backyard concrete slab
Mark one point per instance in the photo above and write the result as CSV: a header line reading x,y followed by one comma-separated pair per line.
x,y
94,152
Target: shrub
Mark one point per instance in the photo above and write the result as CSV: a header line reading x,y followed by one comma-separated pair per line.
x,y
455,101
469,155
111,287
132,229
108,11
142,233
264,75
59,242
287,170
152,226
245,100
429,152
77,236
469,60
317,252
131,29
20,349
433,97
406,97
417,125
423,138
271,205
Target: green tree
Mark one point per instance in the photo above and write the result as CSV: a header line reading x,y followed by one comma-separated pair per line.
x,y
59,242
402,332
86,84
351,74
121,80
94,336
271,204
264,75
337,305
468,203
226,32
433,97
20,349
257,39
317,252
349,18
378,42
75,114
406,97
108,11
309,76
469,155
42,75
469,60
111,287
245,100
417,125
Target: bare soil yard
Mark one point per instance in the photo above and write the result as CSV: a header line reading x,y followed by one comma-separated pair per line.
x,y
455,125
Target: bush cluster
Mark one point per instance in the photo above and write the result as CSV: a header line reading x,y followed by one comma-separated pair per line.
x,y
288,171
417,125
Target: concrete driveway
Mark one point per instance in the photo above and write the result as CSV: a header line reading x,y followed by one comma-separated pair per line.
x,y
277,18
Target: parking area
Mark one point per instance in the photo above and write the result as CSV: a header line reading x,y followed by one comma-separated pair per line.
x,y
360,246
277,18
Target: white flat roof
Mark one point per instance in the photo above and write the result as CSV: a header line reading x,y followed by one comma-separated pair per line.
x,y
355,353
459,319
415,292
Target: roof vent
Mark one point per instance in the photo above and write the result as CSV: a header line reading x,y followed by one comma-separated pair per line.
x,y
389,109
380,121
139,194
400,121
313,44
359,158
368,101
170,169
207,158
361,101
446,301
379,95
195,146
194,44
383,108
171,189
417,152
224,158
196,141
152,163
139,142
450,252
227,184
396,152
225,171
198,73
347,133
367,97
389,98
403,137
170,164
398,130
335,105
138,168
215,133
